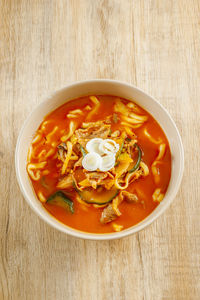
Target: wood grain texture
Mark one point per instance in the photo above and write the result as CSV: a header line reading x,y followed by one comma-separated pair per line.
x,y
46,44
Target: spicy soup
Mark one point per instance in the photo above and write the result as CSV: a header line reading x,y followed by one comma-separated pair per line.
x,y
99,164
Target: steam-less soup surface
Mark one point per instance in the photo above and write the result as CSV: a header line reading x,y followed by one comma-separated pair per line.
x,y
99,164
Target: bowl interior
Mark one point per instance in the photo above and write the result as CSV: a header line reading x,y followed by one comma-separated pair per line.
x,y
101,87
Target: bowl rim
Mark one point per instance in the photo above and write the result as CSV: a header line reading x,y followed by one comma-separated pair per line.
x,y
98,236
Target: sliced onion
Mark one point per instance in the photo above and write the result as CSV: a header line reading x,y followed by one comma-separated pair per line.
x,y
107,162
108,146
93,146
94,159
91,161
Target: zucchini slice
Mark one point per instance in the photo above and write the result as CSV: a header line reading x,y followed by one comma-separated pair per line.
x,y
83,151
119,152
138,160
94,197
60,199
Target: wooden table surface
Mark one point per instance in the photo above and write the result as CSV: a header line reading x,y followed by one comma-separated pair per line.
x,y
45,45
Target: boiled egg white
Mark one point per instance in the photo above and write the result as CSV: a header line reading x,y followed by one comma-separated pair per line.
x,y
91,161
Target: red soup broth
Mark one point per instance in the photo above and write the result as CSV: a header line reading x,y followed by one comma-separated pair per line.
x,y
87,218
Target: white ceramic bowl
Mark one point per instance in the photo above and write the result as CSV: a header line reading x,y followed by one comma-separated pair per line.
x,y
98,87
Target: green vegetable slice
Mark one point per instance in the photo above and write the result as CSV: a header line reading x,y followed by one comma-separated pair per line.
x,y
138,160
120,151
94,197
60,199
83,151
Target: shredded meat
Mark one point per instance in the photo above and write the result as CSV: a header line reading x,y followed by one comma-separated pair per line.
x,y
76,149
78,163
106,180
96,175
100,131
76,183
130,146
107,183
96,178
129,197
66,182
70,165
62,150
108,214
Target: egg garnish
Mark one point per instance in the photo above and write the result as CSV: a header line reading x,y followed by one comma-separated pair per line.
x,y
101,155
